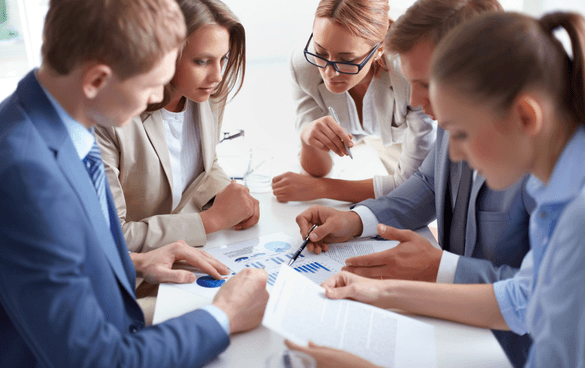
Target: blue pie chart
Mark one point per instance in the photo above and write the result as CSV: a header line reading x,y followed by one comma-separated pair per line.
x,y
209,282
277,246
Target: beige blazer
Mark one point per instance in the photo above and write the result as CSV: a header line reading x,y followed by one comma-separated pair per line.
x,y
399,122
138,168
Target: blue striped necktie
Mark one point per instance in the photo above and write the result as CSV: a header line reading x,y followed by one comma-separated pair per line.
x,y
97,173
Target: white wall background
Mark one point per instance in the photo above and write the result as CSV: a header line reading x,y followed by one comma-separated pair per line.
x,y
273,27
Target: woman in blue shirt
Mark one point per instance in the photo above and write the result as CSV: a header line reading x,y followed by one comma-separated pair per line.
x,y
513,101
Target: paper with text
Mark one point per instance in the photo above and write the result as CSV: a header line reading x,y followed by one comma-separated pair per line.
x,y
299,311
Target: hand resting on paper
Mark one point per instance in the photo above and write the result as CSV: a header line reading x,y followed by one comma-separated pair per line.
x,y
334,226
243,298
156,266
415,258
331,358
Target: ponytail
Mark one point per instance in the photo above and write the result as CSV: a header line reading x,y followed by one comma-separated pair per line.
x,y
495,57
574,25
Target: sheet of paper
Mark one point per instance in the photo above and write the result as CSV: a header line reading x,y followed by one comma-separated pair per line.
x,y
299,311
204,284
271,251
357,247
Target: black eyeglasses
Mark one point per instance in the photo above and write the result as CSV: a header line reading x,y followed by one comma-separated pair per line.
x,y
343,67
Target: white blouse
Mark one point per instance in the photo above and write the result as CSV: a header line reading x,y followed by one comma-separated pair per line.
x,y
182,135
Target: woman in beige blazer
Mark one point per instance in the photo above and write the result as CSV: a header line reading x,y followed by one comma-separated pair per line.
x,y
162,167
344,66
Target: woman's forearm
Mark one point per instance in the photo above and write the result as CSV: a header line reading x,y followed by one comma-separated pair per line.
x,y
348,190
474,305
314,161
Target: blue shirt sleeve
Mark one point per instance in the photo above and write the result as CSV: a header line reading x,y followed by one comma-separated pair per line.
x,y
219,316
513,296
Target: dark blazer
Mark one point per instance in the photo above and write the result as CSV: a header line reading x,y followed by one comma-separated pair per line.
x,y
66,280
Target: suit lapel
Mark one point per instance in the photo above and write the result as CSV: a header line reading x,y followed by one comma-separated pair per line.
x,y
384,92
154,127
48,123
471,230
204,117
441,179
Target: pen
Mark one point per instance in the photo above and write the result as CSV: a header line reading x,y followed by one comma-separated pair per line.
x,y
334,114
305,242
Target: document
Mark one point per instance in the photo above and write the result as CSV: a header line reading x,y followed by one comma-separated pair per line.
x,y
270,252
299,311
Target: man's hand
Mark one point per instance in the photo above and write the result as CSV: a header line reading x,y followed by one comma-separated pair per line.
x,y
233,206
243,298
331,358
297,187
413,259
156,266
333,226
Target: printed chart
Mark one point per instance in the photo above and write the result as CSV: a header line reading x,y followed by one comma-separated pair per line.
x,y
270,252
204,285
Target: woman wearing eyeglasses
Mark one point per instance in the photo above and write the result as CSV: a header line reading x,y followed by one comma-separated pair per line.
x,y
162,167
344,66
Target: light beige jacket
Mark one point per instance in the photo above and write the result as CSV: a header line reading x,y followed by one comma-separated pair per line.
x,y
399,122
139,171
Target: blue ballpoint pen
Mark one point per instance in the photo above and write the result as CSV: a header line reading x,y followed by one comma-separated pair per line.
x,y
336,118
305,242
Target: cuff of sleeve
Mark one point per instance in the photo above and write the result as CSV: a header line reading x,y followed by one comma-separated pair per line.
x,y
369,220
502,290
447,268
219,316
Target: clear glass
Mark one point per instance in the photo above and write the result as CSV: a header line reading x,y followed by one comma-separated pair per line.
x,y
290,359
258,177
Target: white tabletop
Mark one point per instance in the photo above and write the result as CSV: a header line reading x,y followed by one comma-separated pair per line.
x,y
456,345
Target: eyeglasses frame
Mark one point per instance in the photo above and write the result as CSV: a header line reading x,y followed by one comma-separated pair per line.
x,y
360,66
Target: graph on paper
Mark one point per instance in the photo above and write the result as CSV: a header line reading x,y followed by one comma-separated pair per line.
x,y
270,252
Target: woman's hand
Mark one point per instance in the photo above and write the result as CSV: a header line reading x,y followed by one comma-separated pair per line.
x,y
297,187
329,357
325,134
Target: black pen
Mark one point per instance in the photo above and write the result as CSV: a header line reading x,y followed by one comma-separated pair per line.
x,y
305,242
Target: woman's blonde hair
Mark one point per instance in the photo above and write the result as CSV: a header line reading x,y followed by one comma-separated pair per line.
x,y
367,19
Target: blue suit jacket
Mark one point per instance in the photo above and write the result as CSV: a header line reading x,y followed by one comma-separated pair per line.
x,y
496,238
66,280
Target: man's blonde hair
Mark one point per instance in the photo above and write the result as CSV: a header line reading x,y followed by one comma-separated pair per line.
x,y
130,36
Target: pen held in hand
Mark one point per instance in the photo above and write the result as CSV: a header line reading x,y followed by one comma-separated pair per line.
x,y
336,118
302,247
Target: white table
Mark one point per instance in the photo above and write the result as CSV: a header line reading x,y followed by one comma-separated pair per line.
x,y
456,345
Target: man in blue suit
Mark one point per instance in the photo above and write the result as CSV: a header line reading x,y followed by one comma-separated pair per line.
x,y
66,278
483,233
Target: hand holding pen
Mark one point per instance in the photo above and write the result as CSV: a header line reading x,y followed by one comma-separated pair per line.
x,y
305,242
334,114
325,134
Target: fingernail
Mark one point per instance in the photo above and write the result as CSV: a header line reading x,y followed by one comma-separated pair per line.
x,y
313,237
383,227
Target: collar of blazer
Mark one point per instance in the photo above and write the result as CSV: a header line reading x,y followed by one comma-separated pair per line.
x,y
53,131
208,131
442,176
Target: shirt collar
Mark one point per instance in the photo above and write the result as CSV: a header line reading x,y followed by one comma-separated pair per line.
x,y
81,137
568,177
